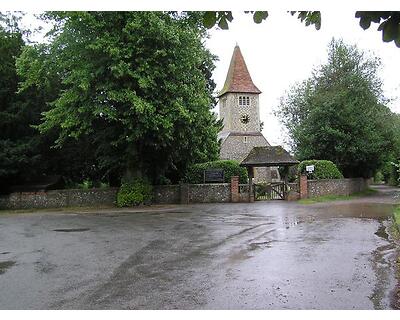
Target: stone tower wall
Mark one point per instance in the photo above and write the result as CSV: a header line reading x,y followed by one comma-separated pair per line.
x,y
235,147
231,112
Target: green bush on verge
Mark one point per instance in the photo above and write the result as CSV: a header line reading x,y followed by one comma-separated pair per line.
x,y
396,174
195,174
134,193
323,169
378,177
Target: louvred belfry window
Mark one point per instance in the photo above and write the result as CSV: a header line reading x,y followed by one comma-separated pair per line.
x,y
244,101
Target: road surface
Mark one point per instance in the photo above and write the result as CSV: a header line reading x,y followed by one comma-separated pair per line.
x,y
264,255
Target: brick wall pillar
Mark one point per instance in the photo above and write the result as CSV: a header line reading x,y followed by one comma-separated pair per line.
x,y
235,189
303,187
184,193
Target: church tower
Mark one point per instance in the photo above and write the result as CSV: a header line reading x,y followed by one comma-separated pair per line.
x,y
240,112
239,103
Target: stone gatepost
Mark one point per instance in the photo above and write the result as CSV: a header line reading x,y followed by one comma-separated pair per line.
x,y
303,187
235,189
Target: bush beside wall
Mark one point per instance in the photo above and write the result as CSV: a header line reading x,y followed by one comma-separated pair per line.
x,y
323,169
134,193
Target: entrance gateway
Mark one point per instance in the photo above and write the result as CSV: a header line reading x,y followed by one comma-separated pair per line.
x,y
270,191
268,156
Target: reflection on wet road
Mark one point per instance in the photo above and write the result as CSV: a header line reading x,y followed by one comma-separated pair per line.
x,y
266,255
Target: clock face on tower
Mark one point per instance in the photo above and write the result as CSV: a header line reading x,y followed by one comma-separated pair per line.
x,y
244,118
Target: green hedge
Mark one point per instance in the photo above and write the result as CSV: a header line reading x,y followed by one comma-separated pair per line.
x,y
323,169
390,174
195,173
134,193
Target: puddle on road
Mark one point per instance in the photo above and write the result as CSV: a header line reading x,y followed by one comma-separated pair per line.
x,y
238,256
356,210
166,213
383,293
260,245
5,265
291,221
72,230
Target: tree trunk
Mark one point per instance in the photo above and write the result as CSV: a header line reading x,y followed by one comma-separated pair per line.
x,y
134,165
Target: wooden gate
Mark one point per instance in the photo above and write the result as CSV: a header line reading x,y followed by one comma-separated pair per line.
x,y
270,191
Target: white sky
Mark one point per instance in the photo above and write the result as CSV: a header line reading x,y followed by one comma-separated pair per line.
x,y
281,51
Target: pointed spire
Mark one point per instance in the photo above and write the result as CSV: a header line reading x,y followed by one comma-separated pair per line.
x,y
238,78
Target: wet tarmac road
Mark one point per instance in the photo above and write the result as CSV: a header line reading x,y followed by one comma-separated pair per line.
x,y
266,255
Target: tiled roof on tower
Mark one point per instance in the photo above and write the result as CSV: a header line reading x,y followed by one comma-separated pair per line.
x,y
238,78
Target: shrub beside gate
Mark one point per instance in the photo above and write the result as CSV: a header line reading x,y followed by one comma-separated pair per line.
x,y
323,169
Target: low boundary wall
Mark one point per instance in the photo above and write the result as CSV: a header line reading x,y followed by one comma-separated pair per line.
x,y
165,194
192,193
174,194
317,188
59,198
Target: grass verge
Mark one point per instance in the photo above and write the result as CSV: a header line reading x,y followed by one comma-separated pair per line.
x,y
396,217
332,197
395,233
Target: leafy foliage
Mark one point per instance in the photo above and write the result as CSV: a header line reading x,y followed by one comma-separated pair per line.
x,y
18,142
389,172
309,18
378,177
339,113
222,18
323,169
134,193
390,25
195,173
396,167
25,154
260,16
136,86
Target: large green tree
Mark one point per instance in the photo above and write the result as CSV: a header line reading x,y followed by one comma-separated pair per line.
x,y
339,113
76,159
136,85
25,154
18,141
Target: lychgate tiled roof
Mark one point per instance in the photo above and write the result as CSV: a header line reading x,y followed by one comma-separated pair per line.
x,y
238,78
268,156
